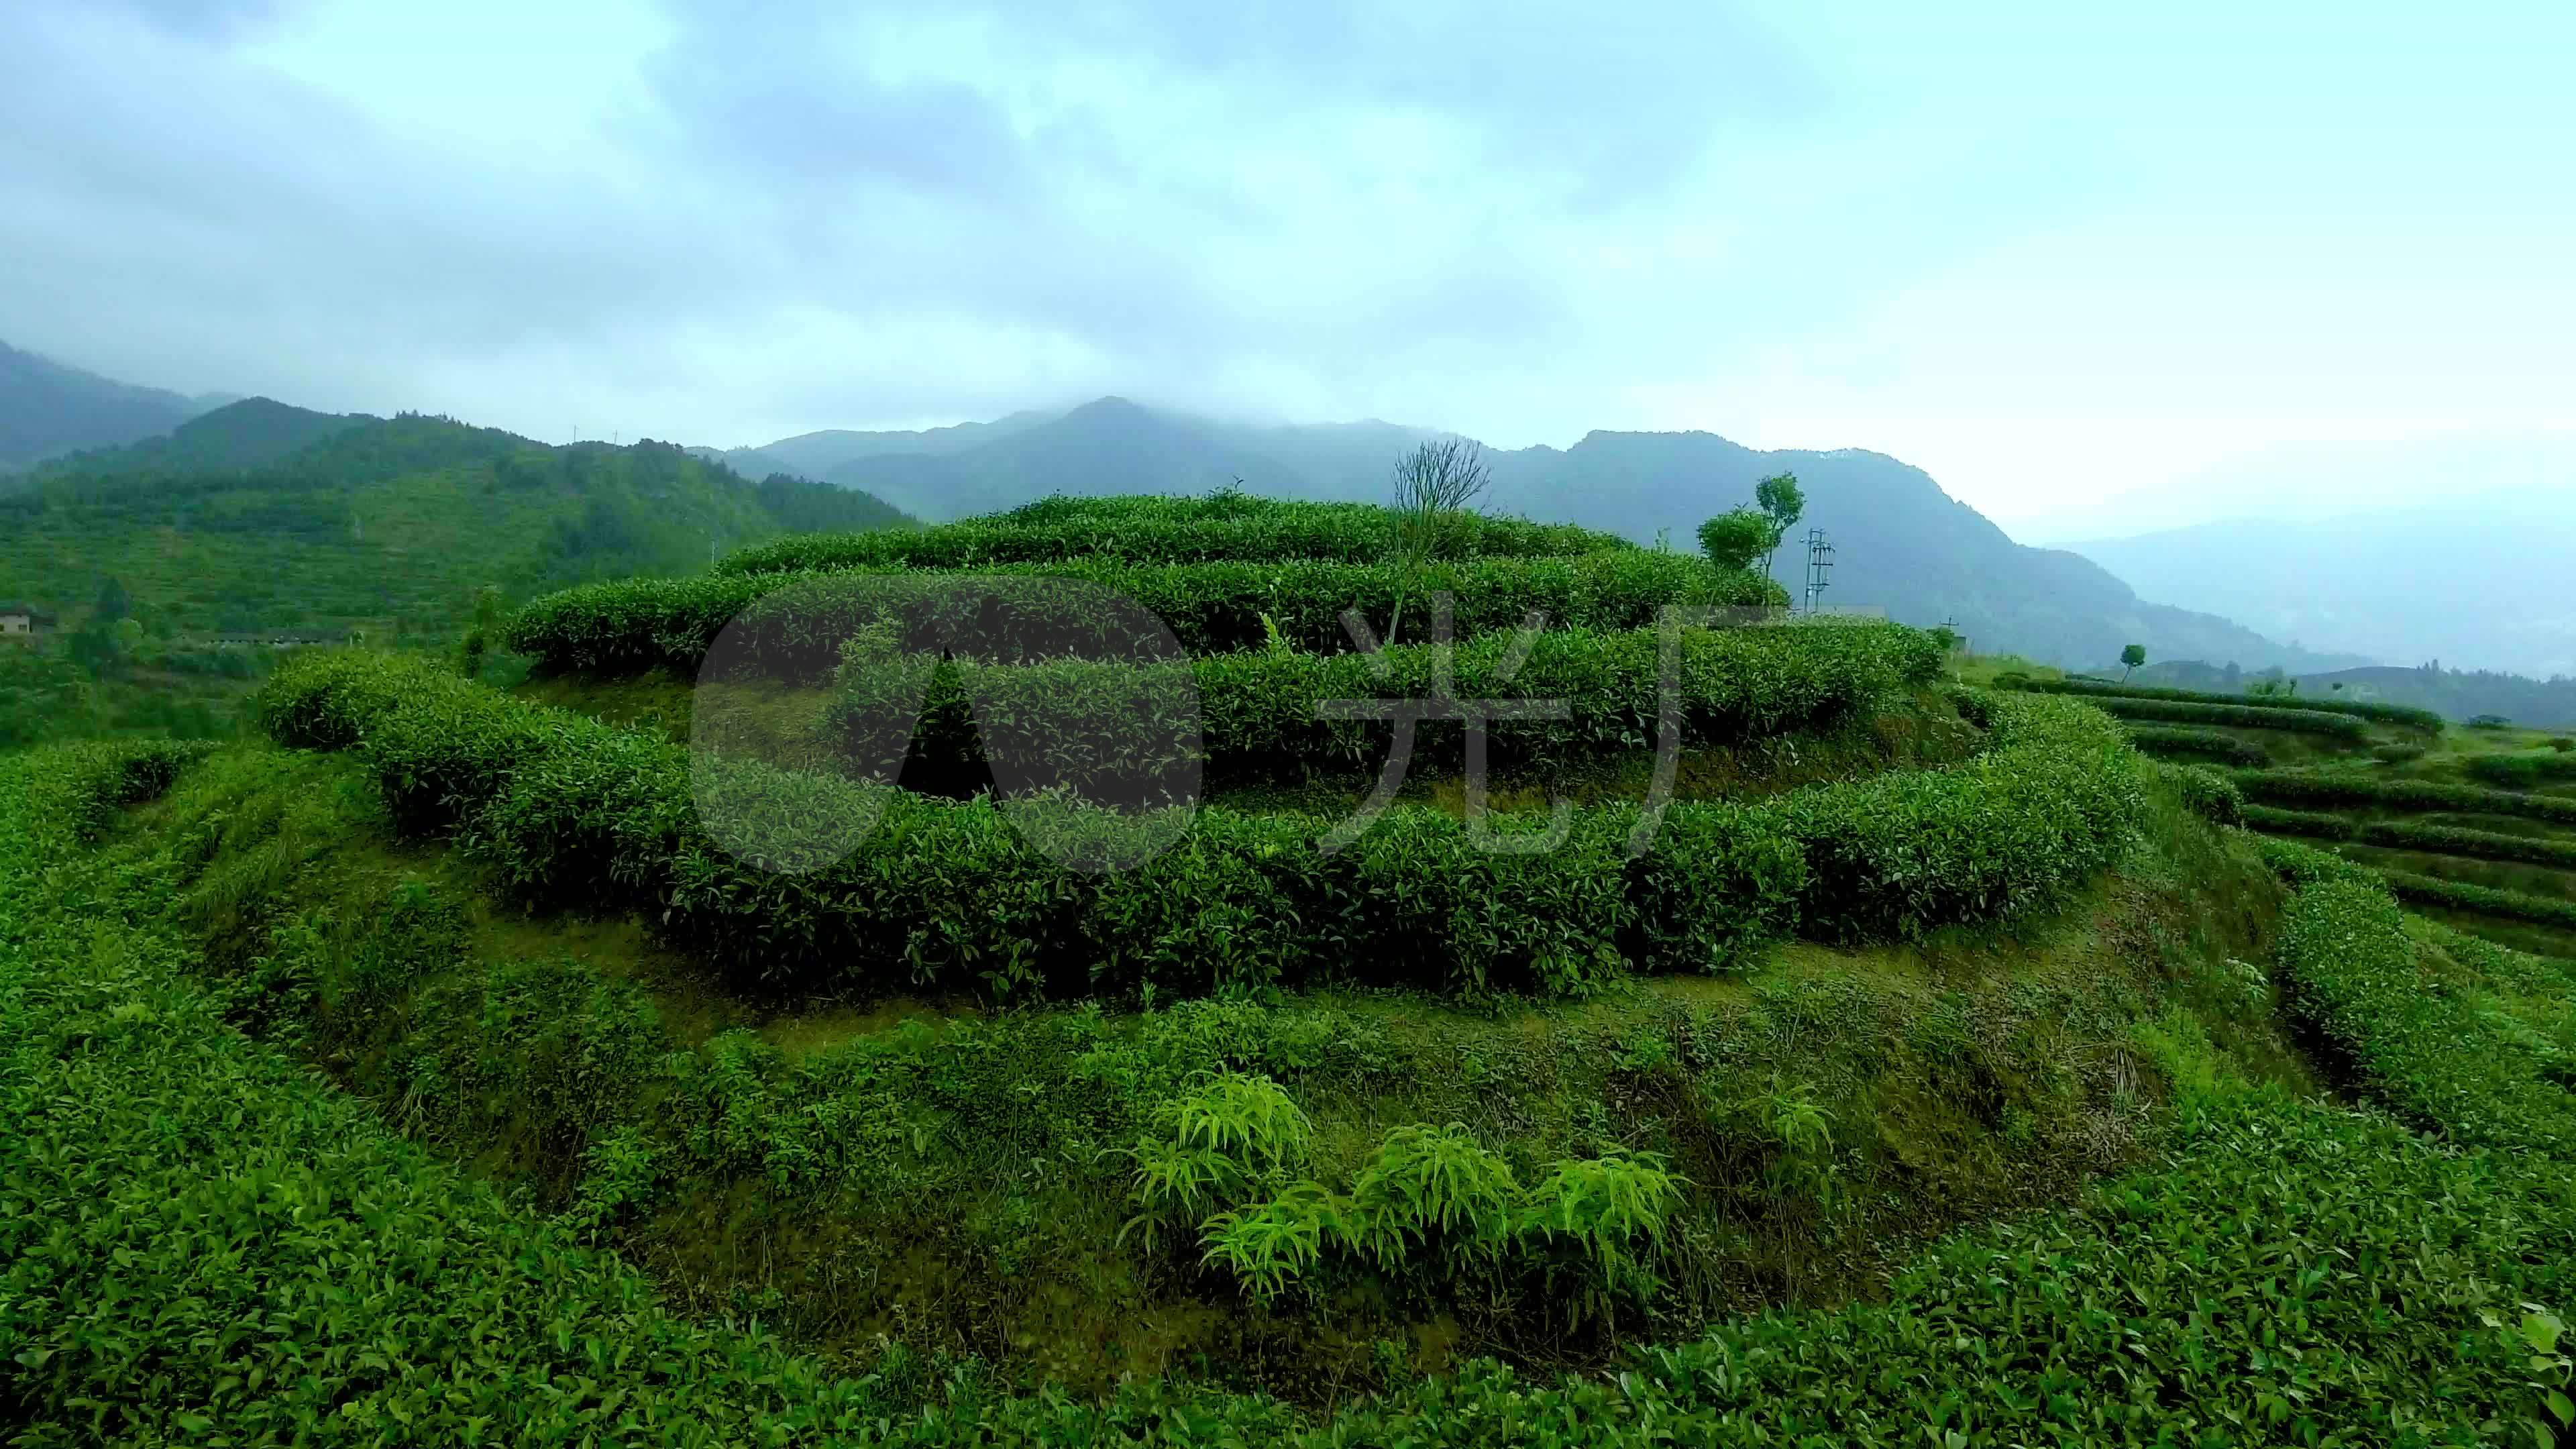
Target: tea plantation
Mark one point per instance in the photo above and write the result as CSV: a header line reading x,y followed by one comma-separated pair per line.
x,y
864,994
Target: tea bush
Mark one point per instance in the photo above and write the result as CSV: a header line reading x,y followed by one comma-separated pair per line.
x,y
2487,900
2415,836
2051,802
2521,772
2295,787
1103,727
2422,719
2204,743
2242,716
2206,793
1339,532
791,624
952,894
2425,1047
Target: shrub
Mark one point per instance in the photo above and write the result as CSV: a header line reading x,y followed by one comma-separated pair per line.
x,y
1269,532
2206,793
2521,772
2202,743
793,624
2416,836
2303,788
2484,900
956,895
1107,728
2242,716
2053,800
2354,973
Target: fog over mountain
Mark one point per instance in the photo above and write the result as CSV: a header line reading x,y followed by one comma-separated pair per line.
x,y
2477,580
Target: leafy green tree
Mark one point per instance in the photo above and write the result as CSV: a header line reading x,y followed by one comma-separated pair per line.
x,y
2131,658
1783,504
114,603
1734,539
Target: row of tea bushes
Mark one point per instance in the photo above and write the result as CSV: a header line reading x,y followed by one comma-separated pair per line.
x,y
2208,744
2521,772
2301,787
2399,714
792,624
1269,532
2416,836
2425,890
1108,730
2427,1046
2241,716
973,895
299,1274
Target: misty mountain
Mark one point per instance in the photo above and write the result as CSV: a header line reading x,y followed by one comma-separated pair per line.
x,y
2478,579
250,433
1901,544
47,409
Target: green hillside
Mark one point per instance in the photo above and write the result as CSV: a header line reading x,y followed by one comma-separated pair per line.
x,y
386,528
963,1015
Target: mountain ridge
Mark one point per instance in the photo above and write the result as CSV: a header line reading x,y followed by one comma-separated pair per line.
x,y
1902,542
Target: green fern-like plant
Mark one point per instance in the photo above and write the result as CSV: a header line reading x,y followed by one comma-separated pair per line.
x,y
1232,1136
1269,1245
1424,1183
1603,1206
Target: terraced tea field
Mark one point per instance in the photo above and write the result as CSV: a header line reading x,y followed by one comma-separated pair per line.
x,y
2473,826
873,992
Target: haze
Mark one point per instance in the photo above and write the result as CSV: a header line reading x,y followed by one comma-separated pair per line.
x,y
2097,274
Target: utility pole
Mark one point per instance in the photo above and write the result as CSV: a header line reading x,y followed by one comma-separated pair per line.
x,y
1820,562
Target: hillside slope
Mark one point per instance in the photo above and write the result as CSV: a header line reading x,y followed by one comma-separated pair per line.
x,y
385,525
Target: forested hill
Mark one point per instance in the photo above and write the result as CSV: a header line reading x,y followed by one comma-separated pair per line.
x,y
388,525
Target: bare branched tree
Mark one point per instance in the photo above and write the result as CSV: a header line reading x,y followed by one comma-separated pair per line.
x,y
1433,483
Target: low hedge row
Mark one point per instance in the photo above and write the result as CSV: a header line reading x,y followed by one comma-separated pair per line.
x,y
2422,719
792,623
2242,716
2426,1047
2198,743
972,895
2521,772
204,1239
2294,787
2413,835
1262,712
2485,900
1341,532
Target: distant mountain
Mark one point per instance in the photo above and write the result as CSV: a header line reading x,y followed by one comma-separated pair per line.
x,y
47,408
245,434
1900,542
2479,580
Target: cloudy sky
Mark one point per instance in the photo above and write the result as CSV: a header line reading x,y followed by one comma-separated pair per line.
x,y
2097,267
